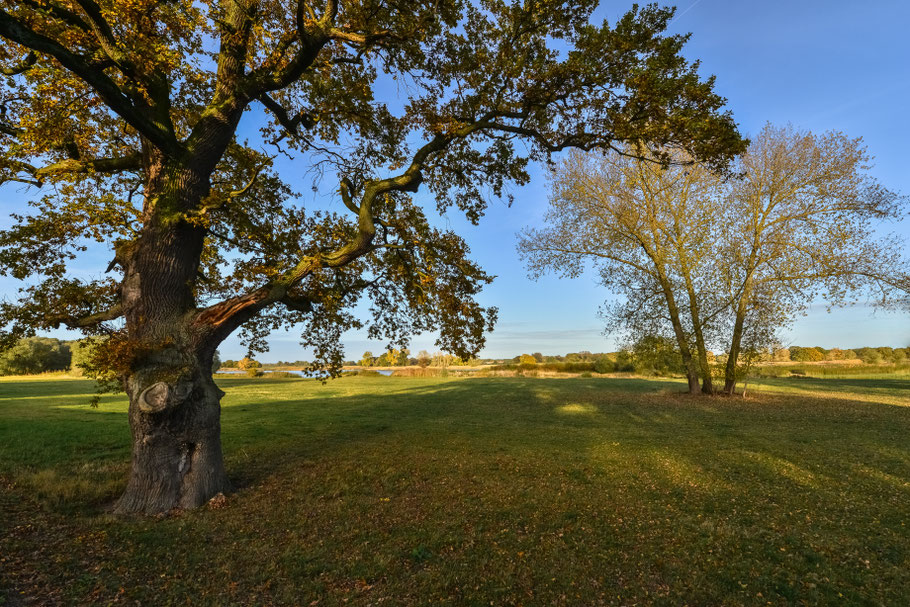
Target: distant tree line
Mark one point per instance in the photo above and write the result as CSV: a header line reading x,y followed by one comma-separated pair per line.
x,y
36,355
32,355
649,355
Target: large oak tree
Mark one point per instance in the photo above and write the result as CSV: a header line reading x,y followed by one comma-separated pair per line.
x,y
123,115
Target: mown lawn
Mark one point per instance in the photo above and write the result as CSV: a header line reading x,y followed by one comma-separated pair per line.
x,y
370,491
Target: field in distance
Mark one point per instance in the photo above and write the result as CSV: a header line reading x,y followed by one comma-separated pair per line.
x,y
406,491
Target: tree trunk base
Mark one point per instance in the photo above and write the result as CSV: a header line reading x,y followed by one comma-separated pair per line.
x,y
177,460
181,476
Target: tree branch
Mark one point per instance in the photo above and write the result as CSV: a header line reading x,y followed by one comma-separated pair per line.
x,y
133,162
95,319
284,117
23,66
108,42
107,89
297,303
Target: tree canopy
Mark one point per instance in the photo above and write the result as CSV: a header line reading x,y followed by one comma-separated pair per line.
x,y
97,92
125,120
722,261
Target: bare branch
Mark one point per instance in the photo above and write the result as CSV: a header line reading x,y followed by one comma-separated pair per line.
x,y
284,118
256,172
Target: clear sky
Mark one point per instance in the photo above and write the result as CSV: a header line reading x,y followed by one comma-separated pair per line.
x,y
818,64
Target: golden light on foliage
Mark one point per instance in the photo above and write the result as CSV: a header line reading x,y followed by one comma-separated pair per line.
x,y
721,260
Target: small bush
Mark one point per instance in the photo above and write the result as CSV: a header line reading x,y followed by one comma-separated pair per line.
x,y
586,374
367,373
254,373
604,365
286,374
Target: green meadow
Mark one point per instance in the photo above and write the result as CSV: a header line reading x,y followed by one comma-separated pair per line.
x,y
478,491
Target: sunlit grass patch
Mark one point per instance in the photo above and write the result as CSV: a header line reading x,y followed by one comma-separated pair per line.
x,y
577,409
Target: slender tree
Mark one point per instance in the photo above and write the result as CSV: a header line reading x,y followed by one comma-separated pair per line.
x,y
124,118
648,227
723,261
802,218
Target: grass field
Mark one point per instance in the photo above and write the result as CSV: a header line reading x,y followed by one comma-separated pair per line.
x,y
499,491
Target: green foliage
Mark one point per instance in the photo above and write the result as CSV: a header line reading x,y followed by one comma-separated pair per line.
x,y
656,355
35,355
604,364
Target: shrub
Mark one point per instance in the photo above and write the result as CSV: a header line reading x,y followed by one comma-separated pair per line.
x,y
285,374
367,373
803,355
656,355
870,356
254,372
246,364
604,365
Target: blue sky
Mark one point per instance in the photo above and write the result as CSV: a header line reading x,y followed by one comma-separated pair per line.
x,y
820,65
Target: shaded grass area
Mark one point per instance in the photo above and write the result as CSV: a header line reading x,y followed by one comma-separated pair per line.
x,y
511,491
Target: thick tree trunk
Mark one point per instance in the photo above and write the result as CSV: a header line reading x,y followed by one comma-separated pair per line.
x,y
174,409
733,357
707,386
681,340
177,460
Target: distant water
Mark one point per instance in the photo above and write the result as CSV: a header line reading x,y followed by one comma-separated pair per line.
x,y
386,372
